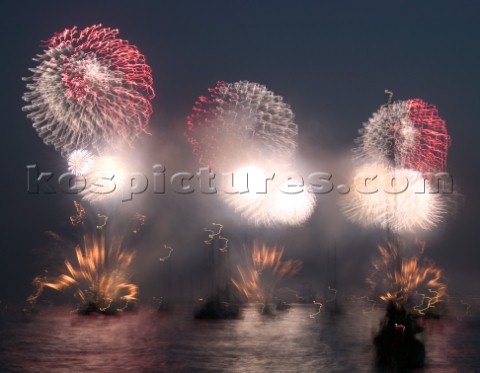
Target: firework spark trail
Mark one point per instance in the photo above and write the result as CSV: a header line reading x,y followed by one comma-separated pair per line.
x,y
241,121
372,303
99,276
320,306
79,218
409,206
105,220
405,277
263,271
408,133
170,251
89,89
212,234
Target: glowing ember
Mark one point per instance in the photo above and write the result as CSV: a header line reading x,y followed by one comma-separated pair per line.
x,y
263,271
412,283
99,276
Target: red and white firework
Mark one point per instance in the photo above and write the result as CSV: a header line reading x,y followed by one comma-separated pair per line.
x,y
241,123
410,134
89,89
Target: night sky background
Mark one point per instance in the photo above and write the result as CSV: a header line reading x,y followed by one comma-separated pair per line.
x,y
330,60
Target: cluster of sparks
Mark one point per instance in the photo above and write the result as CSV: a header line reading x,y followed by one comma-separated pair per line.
x,y
409,281
263,271
89,89
99,276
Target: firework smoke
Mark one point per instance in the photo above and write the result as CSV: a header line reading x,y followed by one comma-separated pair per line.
x,y
270,205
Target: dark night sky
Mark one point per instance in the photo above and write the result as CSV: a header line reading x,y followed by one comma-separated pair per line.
x,y
330,60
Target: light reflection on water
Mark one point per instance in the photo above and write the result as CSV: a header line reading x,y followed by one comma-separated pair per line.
x,y
57,341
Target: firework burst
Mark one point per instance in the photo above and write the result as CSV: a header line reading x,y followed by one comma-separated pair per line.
x,y
410,134
99,277
271,205
411,282
89,89
397,199
241,122
263,271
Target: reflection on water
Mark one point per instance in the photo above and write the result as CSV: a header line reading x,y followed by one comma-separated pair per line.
x,y
57,341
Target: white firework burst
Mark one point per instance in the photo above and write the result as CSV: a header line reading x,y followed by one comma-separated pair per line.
x,y
79,162
269,203
393,198
388,135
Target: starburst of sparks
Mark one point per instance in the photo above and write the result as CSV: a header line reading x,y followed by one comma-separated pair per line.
x,y
99,276
262,272
410,281
79,162
89,90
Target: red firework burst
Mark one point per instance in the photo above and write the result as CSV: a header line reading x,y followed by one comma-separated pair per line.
x,y
89,89
430,151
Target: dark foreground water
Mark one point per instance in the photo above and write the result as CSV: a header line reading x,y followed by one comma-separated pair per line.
x,y
55,340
